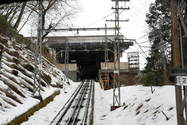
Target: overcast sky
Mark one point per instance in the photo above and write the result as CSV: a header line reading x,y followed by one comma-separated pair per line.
x,y
93,13
95,10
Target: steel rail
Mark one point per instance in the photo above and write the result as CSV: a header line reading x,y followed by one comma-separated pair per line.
x,y
84,120
74,107
79,104
69,104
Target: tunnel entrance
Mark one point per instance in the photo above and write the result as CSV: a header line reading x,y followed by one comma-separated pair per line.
x,y
88,63
89,69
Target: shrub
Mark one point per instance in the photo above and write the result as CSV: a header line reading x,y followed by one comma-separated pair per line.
x,y
15,60
3,41
15,53
1,47
43,84
46,78
6,29
147,79
14,66
1,55
15,72
29,67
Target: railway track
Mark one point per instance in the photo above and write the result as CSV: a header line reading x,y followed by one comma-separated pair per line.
x,y
78,110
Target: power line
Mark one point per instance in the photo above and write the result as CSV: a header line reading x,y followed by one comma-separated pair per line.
x,y
143,42
143,36
100,19
140,48
140,53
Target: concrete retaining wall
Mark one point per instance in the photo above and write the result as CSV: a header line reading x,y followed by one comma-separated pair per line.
x,y
24,117
72,75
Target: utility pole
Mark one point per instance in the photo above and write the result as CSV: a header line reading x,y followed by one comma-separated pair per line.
x,y
106,61
38,63
66,60
176,60
116,83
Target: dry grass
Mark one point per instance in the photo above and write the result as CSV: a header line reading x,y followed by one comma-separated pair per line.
x,y
171,108
46,78
28,67
4,41
138,112
14,88
15,72
50,57
9,103
139,107
10,95
147,100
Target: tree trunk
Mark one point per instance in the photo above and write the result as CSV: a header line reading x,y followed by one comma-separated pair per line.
x,y
14,13
20,15
25,21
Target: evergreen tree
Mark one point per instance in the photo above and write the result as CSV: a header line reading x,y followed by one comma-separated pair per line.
x,y
159,22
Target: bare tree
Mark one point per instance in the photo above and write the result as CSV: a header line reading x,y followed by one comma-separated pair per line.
x,y
55,12
20,15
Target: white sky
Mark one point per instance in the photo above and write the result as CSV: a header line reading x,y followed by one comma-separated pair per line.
x,y
94,10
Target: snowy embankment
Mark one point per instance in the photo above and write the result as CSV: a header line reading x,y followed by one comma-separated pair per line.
x,y
140,106
16,80
46,115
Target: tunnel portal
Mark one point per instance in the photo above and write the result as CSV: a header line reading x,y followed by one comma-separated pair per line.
x,y
86,52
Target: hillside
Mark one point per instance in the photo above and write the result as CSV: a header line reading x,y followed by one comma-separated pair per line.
x,y
16,74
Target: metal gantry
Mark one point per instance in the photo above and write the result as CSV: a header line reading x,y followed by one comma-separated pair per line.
x,y
106,61
116,83
66,60
38,63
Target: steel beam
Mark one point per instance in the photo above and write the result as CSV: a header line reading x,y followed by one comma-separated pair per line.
x,y
66,60
38,63
116,83
106,62
79,29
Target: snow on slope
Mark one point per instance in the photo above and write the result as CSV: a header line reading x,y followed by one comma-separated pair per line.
x,y
140,107
16,80
46,115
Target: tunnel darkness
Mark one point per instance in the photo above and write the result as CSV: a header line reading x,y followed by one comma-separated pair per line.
x,y
88,63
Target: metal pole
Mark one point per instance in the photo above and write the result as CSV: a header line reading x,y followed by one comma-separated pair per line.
x,y
181,48
38,63
116,85
66,59
106,61
176,60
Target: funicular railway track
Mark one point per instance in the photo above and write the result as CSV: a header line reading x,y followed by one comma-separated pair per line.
x,y
78,110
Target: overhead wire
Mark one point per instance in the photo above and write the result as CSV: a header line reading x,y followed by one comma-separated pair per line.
x,y
100,19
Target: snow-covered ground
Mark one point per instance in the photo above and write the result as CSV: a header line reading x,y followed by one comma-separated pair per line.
x,y
45,115
16,80
140,106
